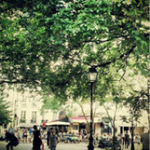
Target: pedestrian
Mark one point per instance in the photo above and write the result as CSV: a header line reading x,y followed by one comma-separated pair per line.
x,y
30,131
25,135
127,140
119,137
56,131
53,140
138,139
123,140
13,141
48,135
37,142
145,140
80,137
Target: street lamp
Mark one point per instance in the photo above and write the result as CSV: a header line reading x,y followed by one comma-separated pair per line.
x,y
132,134
92,75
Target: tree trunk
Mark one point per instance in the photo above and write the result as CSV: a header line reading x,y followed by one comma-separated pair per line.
x,y
87,122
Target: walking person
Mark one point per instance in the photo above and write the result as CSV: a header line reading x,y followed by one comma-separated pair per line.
x,y
138,139
127,140
30,131
145,141
37,142
48,135
13,141
123,140
53,140
25,135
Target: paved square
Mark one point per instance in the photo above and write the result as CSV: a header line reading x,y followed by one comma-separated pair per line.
x,y
60,146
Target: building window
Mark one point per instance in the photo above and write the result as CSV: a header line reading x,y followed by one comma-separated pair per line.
x,y
24,101
34,102
33,117
23,117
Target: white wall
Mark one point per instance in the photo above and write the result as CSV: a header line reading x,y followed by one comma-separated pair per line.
x,y
15,100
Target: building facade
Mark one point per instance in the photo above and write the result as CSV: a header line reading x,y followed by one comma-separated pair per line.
x,y
26,109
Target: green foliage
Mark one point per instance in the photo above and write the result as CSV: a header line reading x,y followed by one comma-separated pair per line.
x,y
4,112
51,44
137,102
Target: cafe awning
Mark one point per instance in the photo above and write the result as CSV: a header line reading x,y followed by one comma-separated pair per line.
x,y
57,123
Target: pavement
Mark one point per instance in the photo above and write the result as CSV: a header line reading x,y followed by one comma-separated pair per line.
x,y
60,146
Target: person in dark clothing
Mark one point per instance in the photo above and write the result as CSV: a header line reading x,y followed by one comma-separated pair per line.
x,y
53,140
37,142
13,140
123,140
56,131
127,140
48,135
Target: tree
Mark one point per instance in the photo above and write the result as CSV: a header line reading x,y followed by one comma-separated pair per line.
x,y
4,112
136,107
57,42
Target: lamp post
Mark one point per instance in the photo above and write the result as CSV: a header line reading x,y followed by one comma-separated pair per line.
x,y
92,75
132,134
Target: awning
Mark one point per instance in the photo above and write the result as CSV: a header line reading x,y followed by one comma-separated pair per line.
x,y
57,123
78,119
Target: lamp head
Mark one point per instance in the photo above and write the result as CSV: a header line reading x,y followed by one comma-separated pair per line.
x,y
92,74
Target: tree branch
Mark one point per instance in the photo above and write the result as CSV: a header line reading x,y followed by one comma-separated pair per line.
x,y
19,81
115,59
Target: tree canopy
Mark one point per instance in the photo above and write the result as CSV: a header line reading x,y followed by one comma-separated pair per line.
x,y
52,44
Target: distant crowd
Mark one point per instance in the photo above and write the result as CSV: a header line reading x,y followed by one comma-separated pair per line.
x,y
25,135
35,136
